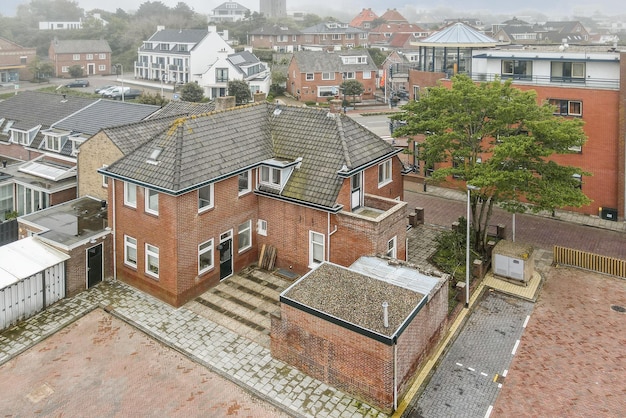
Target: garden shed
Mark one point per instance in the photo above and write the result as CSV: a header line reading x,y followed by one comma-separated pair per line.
x,y
32,277
364,329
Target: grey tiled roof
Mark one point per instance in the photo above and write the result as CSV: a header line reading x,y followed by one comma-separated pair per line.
x,y
80,46
130,137
324,28
104,114
322,61
274,30
207,148
179,35
30,108
179,107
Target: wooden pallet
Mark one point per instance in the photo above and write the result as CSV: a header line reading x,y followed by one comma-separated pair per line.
x,y
267,257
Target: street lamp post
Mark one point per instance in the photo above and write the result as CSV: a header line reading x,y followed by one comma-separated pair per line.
x,y
121,67
467,246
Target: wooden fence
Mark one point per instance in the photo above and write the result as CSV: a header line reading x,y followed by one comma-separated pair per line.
x,y
589,261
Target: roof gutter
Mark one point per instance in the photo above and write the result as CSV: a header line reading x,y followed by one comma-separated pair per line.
x,y
335,209
350,173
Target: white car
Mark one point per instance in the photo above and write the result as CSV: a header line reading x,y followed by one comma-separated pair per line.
x,y
115,91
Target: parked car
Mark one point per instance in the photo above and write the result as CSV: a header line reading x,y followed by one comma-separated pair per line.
x,y
104,92
114,91
128,94
78,83
100,90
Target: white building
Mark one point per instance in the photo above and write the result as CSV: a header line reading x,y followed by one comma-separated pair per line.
x,y
179,55
229,12
240,66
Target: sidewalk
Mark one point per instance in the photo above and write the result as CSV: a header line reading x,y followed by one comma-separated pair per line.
x,y
236,358
567,216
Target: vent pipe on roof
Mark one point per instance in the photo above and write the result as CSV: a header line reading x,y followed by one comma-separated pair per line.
x,y
386,314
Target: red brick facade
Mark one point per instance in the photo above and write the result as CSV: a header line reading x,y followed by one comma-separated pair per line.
x,y
93,63
356,363
179,229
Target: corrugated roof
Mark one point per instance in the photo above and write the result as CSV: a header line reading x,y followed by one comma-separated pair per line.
x,y
458,35
26,257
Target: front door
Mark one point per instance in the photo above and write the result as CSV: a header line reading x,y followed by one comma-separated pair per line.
x,y
226,254
94,265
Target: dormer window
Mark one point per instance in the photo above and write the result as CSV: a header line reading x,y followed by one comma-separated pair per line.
x,y
20,137
270,176
53,143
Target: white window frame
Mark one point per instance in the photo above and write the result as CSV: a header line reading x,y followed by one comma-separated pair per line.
x,y
326,89
53,143
328,76
152,253
349,75
148,207
203,248
248,188
392,247
316,244
129,200
268,176
65,69
102,67
105,179
385,173
89,57
310,76
367,75
130,243
76,57
102,56
244,228
201,200
261,227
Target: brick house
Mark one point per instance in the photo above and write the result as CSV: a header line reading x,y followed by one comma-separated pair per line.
x,y
585,85
14,60
279,38
317,75
197,202
365,329
364,20
93,56
332,35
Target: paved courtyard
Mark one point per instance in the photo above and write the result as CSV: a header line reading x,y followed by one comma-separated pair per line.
x,y
572,356
99,366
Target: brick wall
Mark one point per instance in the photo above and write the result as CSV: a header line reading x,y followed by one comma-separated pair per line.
x,y
355,363
94,153
67,60
63,196
177,231
621,140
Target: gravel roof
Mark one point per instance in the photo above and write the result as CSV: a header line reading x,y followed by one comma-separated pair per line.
x,y
354,298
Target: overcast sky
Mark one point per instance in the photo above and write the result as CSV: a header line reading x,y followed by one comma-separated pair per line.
x,y
555,9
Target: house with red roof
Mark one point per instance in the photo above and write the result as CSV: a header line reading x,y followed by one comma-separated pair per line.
x,y
364,20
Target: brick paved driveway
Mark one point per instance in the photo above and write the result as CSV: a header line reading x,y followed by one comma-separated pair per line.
x,y
100,366
572,357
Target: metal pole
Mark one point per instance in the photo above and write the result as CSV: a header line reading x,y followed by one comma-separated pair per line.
x,y
122,71
467,252
513,226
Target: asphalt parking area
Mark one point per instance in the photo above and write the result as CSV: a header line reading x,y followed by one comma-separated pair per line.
x,y
467,380
572,358
102,367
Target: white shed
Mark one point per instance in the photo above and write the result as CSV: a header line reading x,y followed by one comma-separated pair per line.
x,y
32,277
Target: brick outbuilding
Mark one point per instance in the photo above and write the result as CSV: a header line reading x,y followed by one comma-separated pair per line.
x,y
364,329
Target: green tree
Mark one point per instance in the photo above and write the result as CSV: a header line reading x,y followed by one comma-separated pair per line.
x,y
352,88
191,92
499,139
152,99
41,70
241,90
75,71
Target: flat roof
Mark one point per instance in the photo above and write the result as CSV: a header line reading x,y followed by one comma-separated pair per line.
x,y
71,222
353,298
24,258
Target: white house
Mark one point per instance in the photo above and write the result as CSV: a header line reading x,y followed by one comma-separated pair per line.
x,y
179,55
240,66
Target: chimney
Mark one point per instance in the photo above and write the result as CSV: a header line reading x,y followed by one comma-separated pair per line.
x,y
223,103
259,96
386,314
335,106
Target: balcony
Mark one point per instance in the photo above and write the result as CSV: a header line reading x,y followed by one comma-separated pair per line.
x,y
598,83
378,212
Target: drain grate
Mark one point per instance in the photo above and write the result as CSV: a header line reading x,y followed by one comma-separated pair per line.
x,y
618,308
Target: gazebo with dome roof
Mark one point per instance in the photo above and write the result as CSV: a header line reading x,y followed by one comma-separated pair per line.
x,y
450,49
